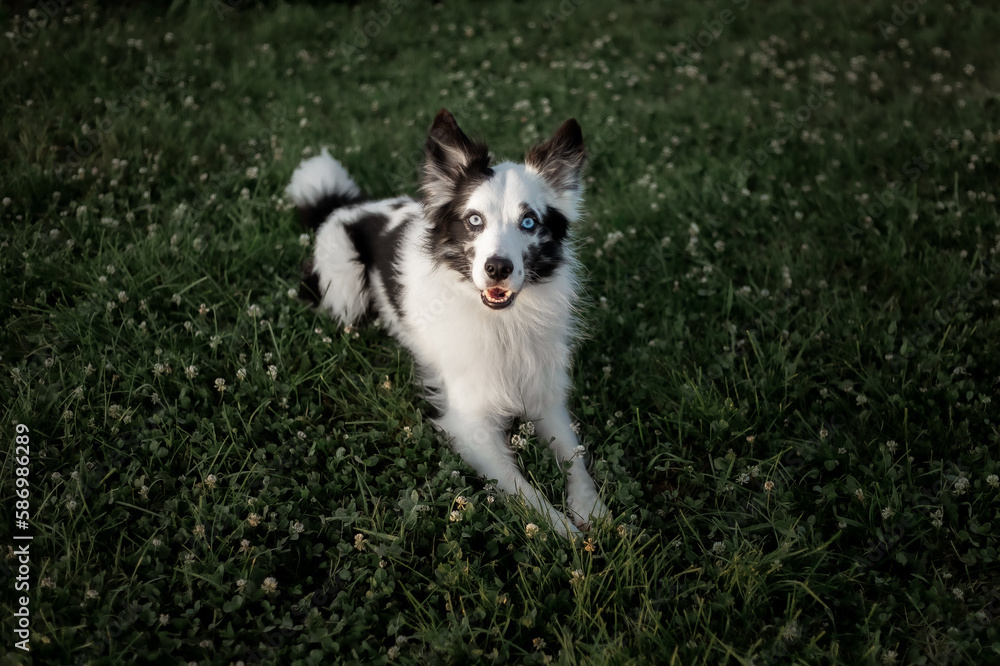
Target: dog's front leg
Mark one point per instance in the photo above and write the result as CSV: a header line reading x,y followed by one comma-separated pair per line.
x,y
555,427
483,446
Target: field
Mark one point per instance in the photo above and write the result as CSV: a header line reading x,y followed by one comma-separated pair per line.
x,y
788,387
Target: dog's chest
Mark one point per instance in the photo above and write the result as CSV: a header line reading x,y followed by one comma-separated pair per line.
x,y
505,365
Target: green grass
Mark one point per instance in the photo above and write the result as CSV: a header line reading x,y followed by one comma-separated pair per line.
x,y
792,409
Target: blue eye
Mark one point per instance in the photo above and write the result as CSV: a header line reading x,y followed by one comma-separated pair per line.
x,y
475,220
528,223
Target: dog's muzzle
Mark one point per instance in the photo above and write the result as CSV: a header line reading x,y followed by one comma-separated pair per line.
x,y
498,269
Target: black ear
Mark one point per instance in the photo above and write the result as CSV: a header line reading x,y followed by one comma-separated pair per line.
x,y
560,159
450,158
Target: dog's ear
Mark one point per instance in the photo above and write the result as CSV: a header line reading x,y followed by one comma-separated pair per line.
x,y
450,157
559,160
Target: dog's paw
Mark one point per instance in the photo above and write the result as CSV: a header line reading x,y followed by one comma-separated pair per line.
x,y
587,510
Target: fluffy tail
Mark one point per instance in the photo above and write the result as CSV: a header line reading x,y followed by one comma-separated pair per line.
x,y
333,279
321,185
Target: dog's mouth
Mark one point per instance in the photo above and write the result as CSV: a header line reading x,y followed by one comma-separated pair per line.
x,y
498,297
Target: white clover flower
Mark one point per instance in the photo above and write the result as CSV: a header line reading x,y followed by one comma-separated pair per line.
x,y
790,631
937,518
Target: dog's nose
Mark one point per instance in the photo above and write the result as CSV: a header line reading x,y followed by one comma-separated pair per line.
x,y
499,268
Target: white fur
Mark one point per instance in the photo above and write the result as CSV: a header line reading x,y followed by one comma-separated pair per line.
x,y
484,366
319,176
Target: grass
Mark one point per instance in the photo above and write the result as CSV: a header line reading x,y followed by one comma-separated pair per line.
x,y
788,387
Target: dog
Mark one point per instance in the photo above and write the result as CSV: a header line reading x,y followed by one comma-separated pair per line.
x,y
478,280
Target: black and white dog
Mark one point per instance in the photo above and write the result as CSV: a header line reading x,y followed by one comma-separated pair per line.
x,y
478,280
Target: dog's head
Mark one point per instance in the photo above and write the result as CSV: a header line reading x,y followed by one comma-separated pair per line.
x,y
501,227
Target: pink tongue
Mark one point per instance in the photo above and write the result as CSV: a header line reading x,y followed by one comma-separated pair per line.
x,y
497,294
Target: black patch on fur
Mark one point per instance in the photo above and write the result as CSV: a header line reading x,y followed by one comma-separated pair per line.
x,y
364,233
398,205
378,250
313,215
555,222
387,264
450,235
309,288
542,260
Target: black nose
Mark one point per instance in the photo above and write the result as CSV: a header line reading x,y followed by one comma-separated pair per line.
x,y
499,268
